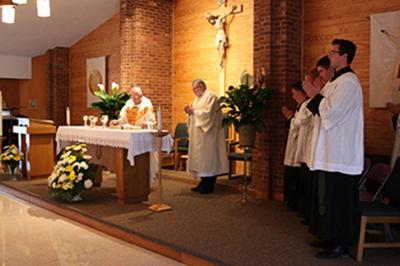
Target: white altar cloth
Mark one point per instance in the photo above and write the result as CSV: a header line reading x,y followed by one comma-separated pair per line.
x,y
135,141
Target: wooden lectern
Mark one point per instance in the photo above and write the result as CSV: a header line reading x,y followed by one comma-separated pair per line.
x,y
36,142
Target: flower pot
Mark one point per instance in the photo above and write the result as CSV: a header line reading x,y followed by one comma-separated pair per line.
x,y
247,135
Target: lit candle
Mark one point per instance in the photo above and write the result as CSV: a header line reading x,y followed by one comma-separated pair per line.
x,y
68,116
159,119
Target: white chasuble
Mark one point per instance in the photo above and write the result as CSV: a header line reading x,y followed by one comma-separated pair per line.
x,y
207,146
138,114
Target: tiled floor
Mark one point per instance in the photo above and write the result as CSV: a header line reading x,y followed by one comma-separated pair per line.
x,y
30,235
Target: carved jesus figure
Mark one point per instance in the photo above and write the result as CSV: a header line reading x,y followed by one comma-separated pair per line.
x,y
221,40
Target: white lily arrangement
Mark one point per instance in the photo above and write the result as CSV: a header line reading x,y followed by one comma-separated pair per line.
x,y
11,155
110,103
72,173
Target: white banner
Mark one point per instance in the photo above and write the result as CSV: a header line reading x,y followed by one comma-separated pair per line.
x,y
95,74
384,81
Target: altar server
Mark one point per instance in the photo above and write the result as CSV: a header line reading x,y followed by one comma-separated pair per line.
x,y
338,149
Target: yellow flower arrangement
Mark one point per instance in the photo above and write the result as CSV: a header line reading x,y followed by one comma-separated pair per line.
x,y
72,173
11,155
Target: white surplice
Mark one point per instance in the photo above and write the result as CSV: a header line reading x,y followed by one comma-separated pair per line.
x,y
291,143
305,121
338,136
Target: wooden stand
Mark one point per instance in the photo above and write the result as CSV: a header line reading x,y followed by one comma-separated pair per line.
x,y
36,142
159,206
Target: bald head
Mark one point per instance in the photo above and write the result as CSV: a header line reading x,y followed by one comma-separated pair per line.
x,y
136,94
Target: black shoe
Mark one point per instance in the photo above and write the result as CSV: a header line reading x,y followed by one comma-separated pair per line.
x,y
333,253
199,186
196,188
206,190
323,244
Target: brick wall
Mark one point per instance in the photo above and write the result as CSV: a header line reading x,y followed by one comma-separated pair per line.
x,y
146,51
58,81
277,46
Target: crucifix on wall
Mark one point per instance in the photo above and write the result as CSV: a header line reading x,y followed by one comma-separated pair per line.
x,y
217,18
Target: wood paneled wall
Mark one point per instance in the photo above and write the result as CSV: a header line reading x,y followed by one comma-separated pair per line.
x,y
325,20
103,41
35,89
10,91
195,54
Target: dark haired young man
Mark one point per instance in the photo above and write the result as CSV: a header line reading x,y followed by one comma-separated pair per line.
x,y
338,150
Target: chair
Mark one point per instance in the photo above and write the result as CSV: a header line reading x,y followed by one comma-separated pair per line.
x,y
181,143
375,177
367,166
373,212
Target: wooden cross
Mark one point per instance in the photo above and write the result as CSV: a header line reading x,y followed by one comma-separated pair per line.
x,y
217,18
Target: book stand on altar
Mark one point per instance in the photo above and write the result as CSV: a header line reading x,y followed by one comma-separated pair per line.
x,y
159,206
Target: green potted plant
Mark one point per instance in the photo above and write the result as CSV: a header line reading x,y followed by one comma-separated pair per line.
x,y
245,109
110,104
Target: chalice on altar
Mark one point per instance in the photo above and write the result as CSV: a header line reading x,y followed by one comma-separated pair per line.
x,y
104,120
93,120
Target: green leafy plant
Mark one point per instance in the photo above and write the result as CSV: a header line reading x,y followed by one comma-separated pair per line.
x,y
110,104
72,173
245,106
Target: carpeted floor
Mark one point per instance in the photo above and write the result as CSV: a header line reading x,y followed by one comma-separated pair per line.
x,y
215,227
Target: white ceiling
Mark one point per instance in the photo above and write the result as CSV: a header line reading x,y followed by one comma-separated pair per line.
x,y
70,21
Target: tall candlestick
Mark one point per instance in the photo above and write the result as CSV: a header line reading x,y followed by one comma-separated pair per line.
x,y
68,116
159,119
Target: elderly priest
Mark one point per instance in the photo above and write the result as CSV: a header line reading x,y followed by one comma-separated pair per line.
x,y
207,150
137,111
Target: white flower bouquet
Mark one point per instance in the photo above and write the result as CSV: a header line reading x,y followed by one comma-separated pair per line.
x,y
72,173
11,155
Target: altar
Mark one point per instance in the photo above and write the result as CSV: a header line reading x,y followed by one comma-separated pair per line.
x,y
126,152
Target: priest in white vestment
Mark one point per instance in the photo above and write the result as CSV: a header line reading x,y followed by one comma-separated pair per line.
x,y
138,111
207,157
